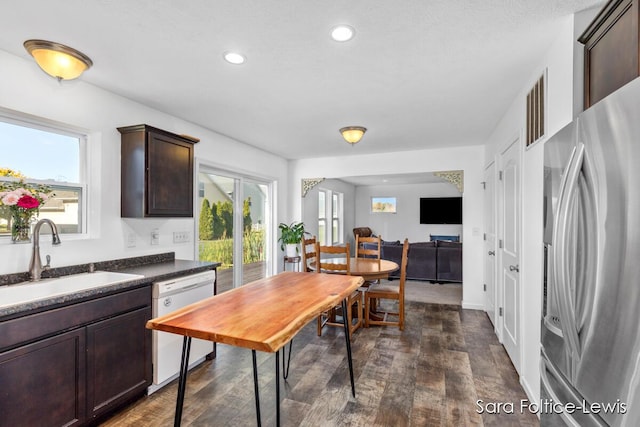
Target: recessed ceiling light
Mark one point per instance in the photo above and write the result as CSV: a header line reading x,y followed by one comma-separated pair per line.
x,y
234,58
342,33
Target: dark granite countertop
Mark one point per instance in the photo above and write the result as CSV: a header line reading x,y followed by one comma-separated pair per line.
x,y
153,268
169,269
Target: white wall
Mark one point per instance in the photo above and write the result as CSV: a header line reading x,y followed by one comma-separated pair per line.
x,y
466,158
24,88
559,62
406,222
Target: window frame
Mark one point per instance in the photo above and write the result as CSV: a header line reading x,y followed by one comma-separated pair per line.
x,y
333,214
336,218
322,220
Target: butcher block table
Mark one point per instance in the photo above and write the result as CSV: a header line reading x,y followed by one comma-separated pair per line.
x,y
262,315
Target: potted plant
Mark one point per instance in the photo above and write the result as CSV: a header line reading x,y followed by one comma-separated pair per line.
x,y
290,236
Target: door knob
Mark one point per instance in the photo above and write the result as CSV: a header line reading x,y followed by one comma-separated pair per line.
x,y
515,268
493,253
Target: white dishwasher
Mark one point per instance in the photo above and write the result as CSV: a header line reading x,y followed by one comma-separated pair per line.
x,y
168,296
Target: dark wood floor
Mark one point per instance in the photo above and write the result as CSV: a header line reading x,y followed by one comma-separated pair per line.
x,y
431,374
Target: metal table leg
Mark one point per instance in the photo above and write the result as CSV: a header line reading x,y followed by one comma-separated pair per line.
x,y
348,338
285,370
278,388
182,381
255,386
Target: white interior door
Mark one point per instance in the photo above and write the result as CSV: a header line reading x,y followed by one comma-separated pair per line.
x,y
490,243
509,251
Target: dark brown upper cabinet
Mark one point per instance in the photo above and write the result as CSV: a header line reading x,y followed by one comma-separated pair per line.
x,y
156,173
610,50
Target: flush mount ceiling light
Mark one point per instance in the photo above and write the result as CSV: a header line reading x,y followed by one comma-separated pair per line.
x,y
234,58
353,134
342,33
58,60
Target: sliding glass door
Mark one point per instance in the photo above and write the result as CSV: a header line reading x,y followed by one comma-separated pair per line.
x,y
234,223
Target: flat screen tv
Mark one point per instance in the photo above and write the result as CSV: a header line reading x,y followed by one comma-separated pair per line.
x,y
441,210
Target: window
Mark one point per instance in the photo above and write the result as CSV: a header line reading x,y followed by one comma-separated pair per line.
x,y
330,208
39,154
335,218
322,217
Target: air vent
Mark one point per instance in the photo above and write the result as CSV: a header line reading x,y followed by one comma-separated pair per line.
x,y
535,112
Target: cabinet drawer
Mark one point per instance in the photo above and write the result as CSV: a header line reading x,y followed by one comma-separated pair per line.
x,y
28,328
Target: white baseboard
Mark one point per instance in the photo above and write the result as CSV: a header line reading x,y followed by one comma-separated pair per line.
x,y
530,395
471,306
528,391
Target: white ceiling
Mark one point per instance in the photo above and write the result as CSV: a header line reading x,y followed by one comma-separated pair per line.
x,y
418,74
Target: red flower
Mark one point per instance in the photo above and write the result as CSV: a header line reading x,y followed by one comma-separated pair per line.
x,y
28,202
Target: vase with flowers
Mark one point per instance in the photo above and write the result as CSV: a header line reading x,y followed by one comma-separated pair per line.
x,y
22,201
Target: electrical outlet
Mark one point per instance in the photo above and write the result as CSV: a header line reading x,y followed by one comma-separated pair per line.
x,y
155,236
131,240
181,236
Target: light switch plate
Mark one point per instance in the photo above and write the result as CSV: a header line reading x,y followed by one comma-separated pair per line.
x,y
155,236
131,240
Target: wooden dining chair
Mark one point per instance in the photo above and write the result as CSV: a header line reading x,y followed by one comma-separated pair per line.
x,y
308,253
368,247
388,291
354,300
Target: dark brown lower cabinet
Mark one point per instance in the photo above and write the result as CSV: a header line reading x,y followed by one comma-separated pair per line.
x,y
109,344
43,384
99,360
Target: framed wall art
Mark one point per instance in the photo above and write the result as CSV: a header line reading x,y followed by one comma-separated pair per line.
x,y
383,205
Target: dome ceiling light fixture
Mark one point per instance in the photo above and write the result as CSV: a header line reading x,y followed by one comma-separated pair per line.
x,y
353,134
234,58
342,33
57,60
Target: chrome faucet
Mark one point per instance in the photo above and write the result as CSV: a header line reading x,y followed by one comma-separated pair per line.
x,y
35,266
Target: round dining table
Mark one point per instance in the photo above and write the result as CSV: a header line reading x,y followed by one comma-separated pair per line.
x,y
369,268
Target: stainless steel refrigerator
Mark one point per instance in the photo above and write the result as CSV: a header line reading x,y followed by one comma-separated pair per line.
x,y
590,341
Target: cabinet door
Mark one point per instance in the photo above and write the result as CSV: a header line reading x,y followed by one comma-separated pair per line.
x,y
118,360
611,50
43,384
169,176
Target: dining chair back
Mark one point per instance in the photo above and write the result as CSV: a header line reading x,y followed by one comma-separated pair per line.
x,y
353,316
308,253
368,247
388,291
324,266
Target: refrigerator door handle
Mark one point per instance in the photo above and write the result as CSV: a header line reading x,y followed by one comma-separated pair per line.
x,y
561,271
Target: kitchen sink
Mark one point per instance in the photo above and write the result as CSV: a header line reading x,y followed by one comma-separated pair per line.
x,y
27,292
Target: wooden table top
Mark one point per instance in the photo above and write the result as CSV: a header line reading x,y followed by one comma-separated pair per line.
x,y
366,267
262,315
